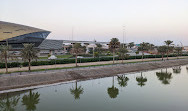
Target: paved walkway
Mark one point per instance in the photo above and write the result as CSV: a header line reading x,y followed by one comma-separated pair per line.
x,y
82,64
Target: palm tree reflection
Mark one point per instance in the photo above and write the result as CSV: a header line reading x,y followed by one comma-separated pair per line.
x,y
141,80
122,80
77,91
177,70
113,91
9,103
164,77
31,100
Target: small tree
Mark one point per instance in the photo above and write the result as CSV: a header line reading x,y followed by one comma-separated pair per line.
x,y
162,50
4,54
131,44
76,49
122,53
137,52
168,43
144,47
178,51
98,48
29,53
114,44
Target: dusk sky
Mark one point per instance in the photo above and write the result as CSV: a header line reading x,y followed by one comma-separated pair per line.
x,y
146,20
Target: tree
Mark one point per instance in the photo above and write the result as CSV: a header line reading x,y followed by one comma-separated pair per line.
x,y
113,91
137,52
141,80
4,54
96,54
114,44
122,53
9,103
168,43
98,50
164,77
131,44
162,50
31,100
77,91
76,49
122,80
178,51
29,53
144,47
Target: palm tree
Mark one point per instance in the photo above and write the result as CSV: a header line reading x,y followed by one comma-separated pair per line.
x,y
76,49
162,50
131,44
4,54
164,77
113,91
77,91
31,100
168,43
177,69
9,103
114,44
144,47
122,53
29,53
178,51
122,80
141,80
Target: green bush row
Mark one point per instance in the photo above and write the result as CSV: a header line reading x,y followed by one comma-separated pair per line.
x,y
82,60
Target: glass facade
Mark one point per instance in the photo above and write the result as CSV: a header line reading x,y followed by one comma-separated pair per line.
x,y
17,42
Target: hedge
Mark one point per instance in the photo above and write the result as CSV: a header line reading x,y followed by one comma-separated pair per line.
x,y
82,60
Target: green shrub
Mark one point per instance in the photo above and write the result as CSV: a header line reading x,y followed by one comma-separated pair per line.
x,y
82,60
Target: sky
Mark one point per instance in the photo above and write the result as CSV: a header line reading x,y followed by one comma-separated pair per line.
x,y
151,21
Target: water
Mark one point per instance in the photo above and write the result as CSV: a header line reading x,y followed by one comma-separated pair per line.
x,y
146,91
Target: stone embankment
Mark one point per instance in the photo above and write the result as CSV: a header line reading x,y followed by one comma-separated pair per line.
x,y
20,81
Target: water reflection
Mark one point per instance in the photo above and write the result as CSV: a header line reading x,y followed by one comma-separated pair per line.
x,y
122,80
31,100
77,91
113,91
141,80
9,103
177,70
164,77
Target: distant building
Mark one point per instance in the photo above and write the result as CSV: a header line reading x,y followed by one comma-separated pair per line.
x,y
59,47
185,48
16,35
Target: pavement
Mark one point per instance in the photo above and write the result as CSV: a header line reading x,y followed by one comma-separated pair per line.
x,y
16,69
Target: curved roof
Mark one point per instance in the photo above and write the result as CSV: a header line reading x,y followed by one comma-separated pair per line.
x,y
10,30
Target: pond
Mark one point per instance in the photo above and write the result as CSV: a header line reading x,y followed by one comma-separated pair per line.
x,y
157,90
